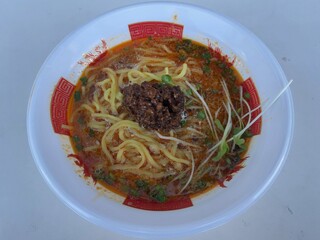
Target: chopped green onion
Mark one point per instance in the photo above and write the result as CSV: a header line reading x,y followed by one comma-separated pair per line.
x,y
201,115
166,79
77,96
84,81
206,69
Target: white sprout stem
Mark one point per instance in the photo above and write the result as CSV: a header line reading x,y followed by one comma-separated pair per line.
x,y
225,88
216,114
249,119
210,125
241,99
251,111
210,120
191,174
176,140
265,110
209,156
226,130
196,131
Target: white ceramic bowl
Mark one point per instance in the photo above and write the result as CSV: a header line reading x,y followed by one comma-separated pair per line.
x,y
267,152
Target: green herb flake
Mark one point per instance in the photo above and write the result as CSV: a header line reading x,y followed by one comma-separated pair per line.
x,y
207,142
76,139
84,81
187,41
141,184
133,192
183,122
228,161
77,96
206,55
91,132
182,57
214,91
79,147
219,125
201,115
159,194
166,79
109,178
81,120
99,173
232,78
221,65
201,184
235,89
247,95
206,69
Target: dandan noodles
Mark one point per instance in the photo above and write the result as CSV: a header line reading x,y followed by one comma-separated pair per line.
x,y
159,118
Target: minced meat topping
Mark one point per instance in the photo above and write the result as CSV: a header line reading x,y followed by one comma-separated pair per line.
x,y
154,106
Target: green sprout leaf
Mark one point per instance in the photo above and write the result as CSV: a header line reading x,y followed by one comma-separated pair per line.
x,y
219,125
223,149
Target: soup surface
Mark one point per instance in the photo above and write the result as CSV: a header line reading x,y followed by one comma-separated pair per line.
x,y
160,118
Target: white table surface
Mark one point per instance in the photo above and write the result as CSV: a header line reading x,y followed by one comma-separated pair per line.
x,y
29,30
